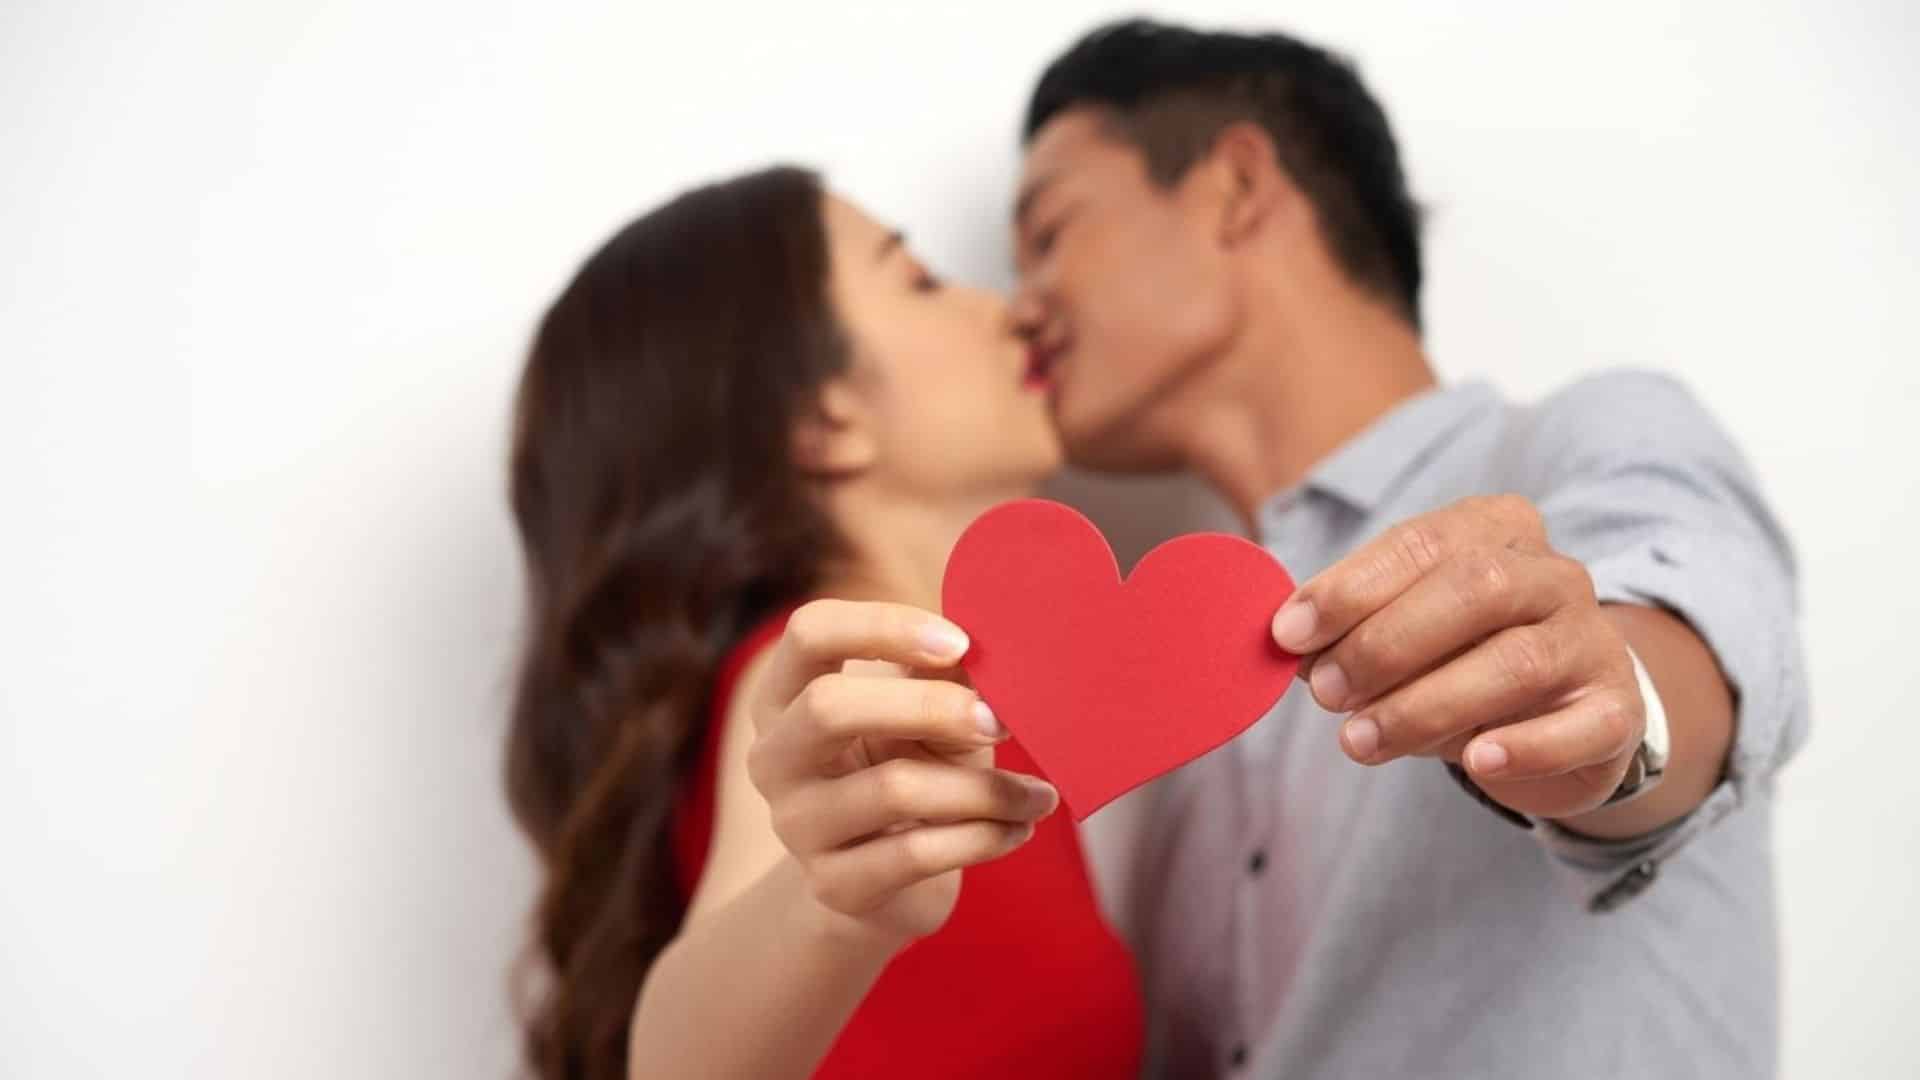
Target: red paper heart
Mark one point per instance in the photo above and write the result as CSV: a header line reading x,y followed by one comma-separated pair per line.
x,y
1109,684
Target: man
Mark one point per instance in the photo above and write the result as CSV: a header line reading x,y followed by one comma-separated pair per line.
x,y
1581,609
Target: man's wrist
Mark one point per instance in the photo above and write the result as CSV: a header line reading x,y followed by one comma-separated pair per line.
x,y
1698,704
1648,763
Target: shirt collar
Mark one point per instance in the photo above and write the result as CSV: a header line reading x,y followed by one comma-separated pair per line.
x,y
1369,467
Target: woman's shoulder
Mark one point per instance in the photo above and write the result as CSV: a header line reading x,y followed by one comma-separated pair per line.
x,y
704,787
745,659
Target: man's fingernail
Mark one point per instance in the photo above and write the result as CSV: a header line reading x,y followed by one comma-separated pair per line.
x,y
1329,684
1486,758
988,723
1293,625
1362,736
943,639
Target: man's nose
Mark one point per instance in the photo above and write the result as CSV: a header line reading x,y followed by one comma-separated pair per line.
x,y
1026,311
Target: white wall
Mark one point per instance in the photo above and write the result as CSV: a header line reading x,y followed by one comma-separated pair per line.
x,y
266,271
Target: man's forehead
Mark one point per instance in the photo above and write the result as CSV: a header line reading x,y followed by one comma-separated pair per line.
x,y
1075,138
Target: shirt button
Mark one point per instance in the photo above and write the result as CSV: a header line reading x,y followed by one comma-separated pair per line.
x,y
1239,1056
1256,862
1632,884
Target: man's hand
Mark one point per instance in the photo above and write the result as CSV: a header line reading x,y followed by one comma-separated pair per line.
x,y
1461,634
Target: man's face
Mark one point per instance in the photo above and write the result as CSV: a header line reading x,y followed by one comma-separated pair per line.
x,y
1124,290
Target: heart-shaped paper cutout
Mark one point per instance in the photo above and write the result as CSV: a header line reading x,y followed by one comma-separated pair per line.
x,y
1108,684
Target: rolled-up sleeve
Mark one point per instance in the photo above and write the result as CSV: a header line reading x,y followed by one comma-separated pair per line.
x,y
1637,481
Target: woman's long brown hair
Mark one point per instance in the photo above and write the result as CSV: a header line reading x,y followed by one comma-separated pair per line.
x,y
661,515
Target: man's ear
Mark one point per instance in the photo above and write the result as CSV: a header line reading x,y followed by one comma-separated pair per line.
x,y
1257,193
835,437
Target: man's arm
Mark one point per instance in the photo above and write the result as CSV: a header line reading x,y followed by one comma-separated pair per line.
x,y
1499,626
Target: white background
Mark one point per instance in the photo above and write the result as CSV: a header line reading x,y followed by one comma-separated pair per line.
x,y
265,272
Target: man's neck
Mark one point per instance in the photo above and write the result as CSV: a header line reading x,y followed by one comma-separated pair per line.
x,y
1292,391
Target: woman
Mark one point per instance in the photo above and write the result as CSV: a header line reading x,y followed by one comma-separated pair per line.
x,y
750,401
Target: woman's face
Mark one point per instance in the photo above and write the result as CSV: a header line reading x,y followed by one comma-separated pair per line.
x,y
939,382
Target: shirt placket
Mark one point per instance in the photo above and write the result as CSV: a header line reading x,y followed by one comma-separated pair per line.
x,y
1292,529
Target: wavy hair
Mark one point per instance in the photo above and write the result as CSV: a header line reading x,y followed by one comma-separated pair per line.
x,y
660,515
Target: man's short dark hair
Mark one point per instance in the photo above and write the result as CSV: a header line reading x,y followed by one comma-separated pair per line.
x,y
1171,91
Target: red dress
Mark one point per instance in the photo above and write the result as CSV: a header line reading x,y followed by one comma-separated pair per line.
x,y
1025,979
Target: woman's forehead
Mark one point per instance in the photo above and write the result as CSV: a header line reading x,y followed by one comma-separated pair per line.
x,y
847,222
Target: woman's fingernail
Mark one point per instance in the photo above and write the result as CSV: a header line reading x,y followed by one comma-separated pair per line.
x,y
1329,685
1362,736
1293,625
989,724
945,640
1486,758
1043,798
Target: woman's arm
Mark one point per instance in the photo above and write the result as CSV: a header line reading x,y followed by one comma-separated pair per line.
x,y
846,806
761,977
760,988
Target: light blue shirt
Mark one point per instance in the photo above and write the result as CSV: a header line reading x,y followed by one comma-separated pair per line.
x,y
1304,916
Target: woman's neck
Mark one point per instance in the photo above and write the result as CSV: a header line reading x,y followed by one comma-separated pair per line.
x,y
898,549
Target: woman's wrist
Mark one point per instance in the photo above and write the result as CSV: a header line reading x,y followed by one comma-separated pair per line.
x,y
839,935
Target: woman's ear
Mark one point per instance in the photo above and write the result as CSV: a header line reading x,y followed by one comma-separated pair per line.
x,y
836,438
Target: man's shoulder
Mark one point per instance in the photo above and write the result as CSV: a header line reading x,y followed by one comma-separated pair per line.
x,y
1619,396
1616,414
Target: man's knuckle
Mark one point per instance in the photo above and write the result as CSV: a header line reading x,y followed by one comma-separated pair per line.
x,y
1566,577
1525,656
1577,579
1341,594
1373,648
1520,513
1355,653
1489,579
1421,546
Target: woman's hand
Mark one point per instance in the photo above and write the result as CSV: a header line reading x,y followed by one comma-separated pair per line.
x,y
882,784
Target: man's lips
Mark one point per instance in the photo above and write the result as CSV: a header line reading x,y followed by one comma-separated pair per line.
x,y
1042,362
